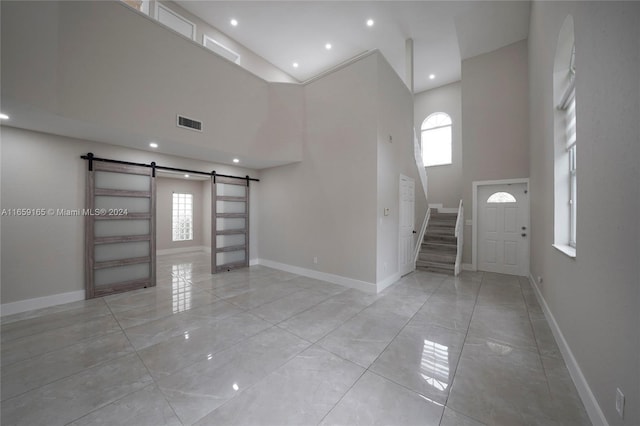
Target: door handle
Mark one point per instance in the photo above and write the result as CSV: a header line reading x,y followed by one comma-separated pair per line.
x,y
414,231
524,235
524,227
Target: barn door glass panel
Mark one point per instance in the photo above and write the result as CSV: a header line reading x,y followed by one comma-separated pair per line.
x,y
230,224
120,234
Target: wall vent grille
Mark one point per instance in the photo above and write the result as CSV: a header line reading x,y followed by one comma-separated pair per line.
x,y
189,123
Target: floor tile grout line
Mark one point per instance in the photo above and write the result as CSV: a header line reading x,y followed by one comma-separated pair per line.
x,y
89,368
367,369
59,379
297,313
265,303
466,415
341,357
45,331
466,335
407,322
535,338
330,331
236,395
153,379
4,319
57,349
216,352
364,371
120,398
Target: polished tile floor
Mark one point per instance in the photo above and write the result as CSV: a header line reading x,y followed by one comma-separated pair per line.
x,y
265,347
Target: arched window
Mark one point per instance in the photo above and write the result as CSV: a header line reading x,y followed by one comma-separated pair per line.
x,y
436,139
501,197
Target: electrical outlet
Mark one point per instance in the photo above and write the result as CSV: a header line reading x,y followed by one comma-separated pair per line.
x,y
315,260
620,402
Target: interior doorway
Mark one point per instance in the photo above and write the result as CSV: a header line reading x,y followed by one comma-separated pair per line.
x,y
406,209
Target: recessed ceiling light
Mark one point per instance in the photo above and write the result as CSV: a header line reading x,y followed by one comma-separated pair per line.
x,y
295,65
234,22
186,176
4,116
328,46
235,160
432,76
153,145
370,22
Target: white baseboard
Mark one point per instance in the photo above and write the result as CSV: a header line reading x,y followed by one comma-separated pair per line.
x,y
253,262
335,279
40,302
183,250
381,285
586,395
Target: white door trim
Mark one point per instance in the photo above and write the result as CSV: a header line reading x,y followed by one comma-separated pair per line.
x,y
476,186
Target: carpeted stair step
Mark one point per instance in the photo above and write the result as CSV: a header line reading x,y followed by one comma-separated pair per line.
x,y
441,268
440,231
439,238
439,246
437,256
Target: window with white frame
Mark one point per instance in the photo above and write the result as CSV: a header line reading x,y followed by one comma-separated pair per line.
x,y
182,217
568,105
436,139
139,5
565,159
176,22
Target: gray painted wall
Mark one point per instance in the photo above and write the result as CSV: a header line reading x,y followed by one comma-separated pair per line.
x,y
495,111
395,111
595,297
331,204
44,256
326,205
445,182
99,69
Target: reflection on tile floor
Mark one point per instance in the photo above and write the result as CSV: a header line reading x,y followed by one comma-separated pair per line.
x,y
261,346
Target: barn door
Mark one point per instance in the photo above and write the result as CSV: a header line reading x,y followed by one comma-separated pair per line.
x,y
229,224
120,224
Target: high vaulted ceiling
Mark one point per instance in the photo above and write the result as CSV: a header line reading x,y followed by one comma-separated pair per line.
x,y
444,32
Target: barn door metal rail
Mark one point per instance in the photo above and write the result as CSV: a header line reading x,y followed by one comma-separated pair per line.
x,y
91,158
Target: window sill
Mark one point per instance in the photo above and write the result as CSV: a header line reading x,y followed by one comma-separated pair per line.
x,y
566,249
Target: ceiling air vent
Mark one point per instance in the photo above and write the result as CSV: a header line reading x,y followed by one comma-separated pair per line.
x,y
189,123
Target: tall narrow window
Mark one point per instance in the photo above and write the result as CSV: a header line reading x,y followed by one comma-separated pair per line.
x,y
570,112
182,222
436,139
565,144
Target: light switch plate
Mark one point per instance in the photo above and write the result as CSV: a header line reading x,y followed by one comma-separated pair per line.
x,y
386,211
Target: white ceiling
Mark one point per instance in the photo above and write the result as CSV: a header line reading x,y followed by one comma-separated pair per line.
x,y
444,32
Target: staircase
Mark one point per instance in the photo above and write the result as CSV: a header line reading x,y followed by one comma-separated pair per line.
x,y
440,246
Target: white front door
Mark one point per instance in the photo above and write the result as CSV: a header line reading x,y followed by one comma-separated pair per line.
x,y
407,213
503,228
